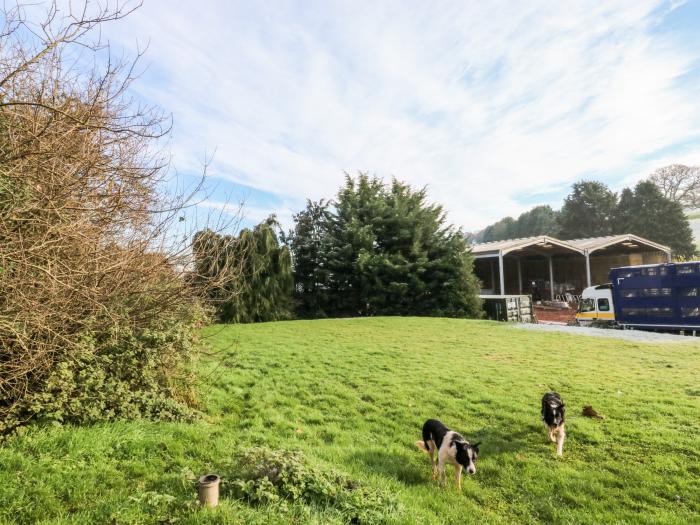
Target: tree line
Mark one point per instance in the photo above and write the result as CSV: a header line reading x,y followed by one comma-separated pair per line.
x,y
377,249
593,210
382,249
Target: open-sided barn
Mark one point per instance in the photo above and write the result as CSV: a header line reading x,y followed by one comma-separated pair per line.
x,y
547,268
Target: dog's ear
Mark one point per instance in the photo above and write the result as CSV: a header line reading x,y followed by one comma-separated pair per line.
x,y
475,446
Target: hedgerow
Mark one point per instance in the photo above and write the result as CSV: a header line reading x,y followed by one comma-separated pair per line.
x,y
97,317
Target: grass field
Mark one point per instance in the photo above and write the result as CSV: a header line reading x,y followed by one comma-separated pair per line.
x,y
352,396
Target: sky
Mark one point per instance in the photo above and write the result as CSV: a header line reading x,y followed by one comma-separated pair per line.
x,y
494,106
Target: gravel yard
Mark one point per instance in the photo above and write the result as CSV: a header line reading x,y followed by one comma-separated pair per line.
x,y
628,335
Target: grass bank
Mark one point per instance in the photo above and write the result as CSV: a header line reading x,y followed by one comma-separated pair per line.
x,y
352,396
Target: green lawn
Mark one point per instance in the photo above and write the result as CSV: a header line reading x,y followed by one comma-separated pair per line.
x,y
352,396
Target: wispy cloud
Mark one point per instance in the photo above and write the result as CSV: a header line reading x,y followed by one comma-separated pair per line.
x,y
244,213
487,103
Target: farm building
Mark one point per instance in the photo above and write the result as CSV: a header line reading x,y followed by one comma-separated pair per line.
x,y
549,268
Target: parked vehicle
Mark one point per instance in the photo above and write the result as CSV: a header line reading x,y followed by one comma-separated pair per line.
x,y
596,306
648,297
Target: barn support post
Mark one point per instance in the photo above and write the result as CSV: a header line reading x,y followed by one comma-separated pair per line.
x,y
520,277
551,277
588,268
501,276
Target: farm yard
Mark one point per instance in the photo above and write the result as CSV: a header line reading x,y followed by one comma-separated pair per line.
x,y
351,396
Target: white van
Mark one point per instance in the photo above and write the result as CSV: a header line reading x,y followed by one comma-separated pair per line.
x,y
596,305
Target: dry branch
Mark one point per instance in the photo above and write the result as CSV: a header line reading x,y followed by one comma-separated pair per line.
x,y
86,240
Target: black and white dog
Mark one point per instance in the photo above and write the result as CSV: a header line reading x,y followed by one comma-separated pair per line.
x,y
553,417
451,448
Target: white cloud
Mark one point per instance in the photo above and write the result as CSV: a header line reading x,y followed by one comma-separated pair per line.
x,y
484,102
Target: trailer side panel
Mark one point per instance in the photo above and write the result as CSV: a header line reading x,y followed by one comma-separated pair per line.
x,y
659,296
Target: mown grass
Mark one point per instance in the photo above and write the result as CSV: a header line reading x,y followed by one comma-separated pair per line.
x,y
352,396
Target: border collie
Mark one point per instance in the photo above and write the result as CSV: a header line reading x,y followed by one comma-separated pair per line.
x,y
451,449
553,417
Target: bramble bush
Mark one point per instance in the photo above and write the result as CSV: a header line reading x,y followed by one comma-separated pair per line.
x,y
122,374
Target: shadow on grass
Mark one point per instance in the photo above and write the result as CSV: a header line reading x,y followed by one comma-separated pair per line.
x,y
394,466
499,442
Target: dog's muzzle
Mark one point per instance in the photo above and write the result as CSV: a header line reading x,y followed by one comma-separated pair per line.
x,y
471,469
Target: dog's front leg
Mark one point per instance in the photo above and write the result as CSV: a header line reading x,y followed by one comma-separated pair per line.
x,y
561,435
442,477
458,477
550,433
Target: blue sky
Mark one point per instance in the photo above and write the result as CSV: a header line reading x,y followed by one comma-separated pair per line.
x,y
495,106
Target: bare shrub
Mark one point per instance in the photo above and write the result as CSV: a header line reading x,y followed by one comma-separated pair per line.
x,y
86,262
679,183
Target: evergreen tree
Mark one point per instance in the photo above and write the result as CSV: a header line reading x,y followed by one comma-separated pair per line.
x,y
588,211
625,213
359,207
250,276
308,242
389,252
647,213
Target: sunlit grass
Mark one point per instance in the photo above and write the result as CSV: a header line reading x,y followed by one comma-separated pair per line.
x,y
352,395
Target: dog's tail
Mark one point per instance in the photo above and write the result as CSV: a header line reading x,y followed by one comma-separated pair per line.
x,y
422,446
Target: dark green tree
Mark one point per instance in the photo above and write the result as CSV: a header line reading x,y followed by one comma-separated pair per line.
x,y
588,211
505,228
540,220
625,213
308,242
359,208
249,277
390,252
647,213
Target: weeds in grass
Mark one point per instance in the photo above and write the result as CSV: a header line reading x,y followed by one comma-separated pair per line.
x,y
263,476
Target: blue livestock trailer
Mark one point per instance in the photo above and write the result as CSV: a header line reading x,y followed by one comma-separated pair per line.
x,y
657,296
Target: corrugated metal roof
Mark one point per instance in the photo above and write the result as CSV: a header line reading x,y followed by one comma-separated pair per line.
x,y
590,244
596,243
510,245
